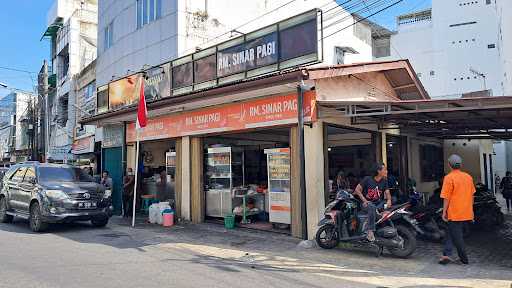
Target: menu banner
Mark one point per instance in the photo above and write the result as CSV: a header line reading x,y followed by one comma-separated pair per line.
x,y
264,112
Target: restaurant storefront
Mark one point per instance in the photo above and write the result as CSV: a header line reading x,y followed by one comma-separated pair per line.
x,y
230,155
227,119
240,130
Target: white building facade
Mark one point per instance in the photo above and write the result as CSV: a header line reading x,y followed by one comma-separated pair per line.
x,y
454,47
137,34
72,29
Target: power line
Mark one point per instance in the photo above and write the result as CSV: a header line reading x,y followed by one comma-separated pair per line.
x,y
365,18
377,3
380,35
17,70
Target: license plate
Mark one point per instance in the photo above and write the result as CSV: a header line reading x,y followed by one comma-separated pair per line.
x,y
86,205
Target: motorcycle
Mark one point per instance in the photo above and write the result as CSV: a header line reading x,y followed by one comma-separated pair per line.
x,y
486,208
425,224
344,222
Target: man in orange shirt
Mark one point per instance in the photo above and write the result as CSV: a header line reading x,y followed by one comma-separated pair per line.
x,y
457,194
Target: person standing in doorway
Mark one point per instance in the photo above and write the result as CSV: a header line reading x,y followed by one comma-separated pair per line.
x,y
457,194
506,189
372,191
128,188
106,181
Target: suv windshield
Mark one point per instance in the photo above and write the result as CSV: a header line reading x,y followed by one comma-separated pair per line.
x,y
63,174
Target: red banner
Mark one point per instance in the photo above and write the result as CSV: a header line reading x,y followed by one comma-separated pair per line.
x,y
265,112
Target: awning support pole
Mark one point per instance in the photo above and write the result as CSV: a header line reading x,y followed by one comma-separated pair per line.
x,y
302,172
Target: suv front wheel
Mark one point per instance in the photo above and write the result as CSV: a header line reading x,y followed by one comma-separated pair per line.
x,y
35,220
99,221
4,218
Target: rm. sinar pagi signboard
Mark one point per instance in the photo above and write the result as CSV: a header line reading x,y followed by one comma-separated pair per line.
x,y
293,42
264,112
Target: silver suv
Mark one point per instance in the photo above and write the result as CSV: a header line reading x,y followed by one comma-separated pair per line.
x,y
53,193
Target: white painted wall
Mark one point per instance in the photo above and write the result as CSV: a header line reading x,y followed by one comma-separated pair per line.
x,y
432,45
505,17
22,104
178,32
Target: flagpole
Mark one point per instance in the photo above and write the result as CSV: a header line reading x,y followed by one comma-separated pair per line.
x,y
136,179
139,124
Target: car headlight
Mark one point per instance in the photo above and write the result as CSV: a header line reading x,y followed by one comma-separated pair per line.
x,y
56,195
107,194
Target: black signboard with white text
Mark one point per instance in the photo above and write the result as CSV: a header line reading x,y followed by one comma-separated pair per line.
x,y
250,55
290,43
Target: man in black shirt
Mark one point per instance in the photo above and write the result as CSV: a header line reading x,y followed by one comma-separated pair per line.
x,y
372,191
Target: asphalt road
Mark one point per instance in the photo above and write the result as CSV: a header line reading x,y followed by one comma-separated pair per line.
x,y
206,256
82,256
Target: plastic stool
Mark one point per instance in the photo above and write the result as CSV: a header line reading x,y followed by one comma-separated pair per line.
x,y
147,200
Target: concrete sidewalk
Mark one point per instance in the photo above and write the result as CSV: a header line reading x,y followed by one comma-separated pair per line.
x,y
264,250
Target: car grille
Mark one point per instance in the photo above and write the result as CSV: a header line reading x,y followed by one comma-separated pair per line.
x,y
81,196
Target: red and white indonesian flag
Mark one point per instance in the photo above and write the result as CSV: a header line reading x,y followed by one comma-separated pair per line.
x,y
142,112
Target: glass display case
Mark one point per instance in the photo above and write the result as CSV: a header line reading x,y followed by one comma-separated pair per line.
x,y
223,172
170,164
278,162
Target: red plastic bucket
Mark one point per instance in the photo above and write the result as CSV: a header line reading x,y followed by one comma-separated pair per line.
x,y
168,219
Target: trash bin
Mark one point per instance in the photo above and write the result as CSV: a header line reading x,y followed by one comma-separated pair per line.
x,y
168,218
229,221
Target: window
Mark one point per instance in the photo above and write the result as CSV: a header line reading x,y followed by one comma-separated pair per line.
x,y
30,176
102,99
463,24
487,2
419,74
491,46
148,11
61,174
109,35
18,175
431,163
432,73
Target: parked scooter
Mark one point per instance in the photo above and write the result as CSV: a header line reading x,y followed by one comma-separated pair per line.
x,y
425,224
344,222
419,217
486,208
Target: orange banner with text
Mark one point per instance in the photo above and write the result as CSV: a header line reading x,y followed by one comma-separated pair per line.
x,y
264,112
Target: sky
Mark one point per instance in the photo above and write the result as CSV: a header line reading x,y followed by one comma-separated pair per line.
x,y
24,23
387,18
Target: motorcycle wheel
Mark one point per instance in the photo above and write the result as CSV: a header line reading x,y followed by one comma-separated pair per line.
x,y
409,242
327,237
